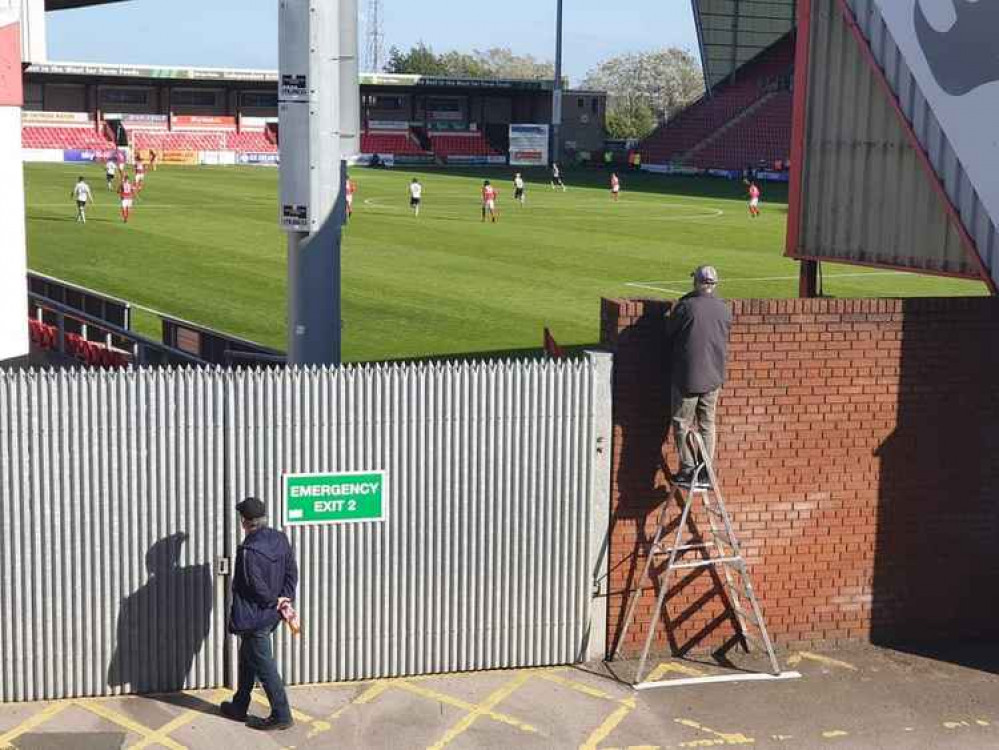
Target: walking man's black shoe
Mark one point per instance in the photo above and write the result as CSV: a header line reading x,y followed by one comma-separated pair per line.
x,y
269,724
229,710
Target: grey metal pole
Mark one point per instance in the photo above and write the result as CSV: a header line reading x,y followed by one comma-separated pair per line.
x,y
557,95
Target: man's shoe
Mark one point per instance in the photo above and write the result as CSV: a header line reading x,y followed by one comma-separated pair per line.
x,y
228,709
269,724
683,477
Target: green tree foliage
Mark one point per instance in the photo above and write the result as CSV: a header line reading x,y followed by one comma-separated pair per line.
x,y
497,62
645,89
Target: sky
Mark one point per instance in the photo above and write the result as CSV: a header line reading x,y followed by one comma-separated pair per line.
x,y
243,33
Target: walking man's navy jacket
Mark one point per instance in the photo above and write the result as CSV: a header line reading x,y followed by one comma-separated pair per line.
x,y
265,571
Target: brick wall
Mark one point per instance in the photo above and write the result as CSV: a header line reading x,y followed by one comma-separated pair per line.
x,y
859,455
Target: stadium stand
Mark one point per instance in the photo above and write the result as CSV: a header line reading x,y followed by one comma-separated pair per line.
x,y
461,144
700,121
188,140
35,136
389,142
763,136
253,141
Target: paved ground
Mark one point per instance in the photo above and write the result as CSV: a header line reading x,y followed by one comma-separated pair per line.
x,y
857,698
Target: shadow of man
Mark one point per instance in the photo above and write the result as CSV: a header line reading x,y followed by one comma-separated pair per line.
x,y
162,626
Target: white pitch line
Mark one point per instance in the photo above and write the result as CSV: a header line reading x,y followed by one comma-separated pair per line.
x,y
655,288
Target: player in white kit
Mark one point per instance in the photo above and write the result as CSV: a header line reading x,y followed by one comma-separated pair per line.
x,y
81,193
415,196
519,189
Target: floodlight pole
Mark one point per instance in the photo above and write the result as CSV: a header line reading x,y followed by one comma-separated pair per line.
x,y
318,104
556,149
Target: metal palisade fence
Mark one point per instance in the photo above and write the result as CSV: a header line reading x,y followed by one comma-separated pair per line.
x,y
118,490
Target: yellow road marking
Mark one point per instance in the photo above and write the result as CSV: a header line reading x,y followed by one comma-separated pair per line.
x,y
723,738
982,723
176,723
493,700
666,667
34,721
827,660
124,721
370,694
833,734
955,724
318,725
464,705
579,687
610,724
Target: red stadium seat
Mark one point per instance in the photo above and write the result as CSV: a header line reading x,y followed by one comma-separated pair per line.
x,y
462,144
390,142
83,138
728,100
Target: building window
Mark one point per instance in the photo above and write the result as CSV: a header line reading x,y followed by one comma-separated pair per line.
x,y
193,98
259,99
596,105
125,96
580,102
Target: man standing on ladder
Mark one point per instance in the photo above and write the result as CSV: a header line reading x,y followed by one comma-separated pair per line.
x,y
697,336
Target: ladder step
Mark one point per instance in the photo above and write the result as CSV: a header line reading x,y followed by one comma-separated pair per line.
x,y
683,548
708,562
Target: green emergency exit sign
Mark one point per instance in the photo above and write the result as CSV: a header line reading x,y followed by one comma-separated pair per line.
x,y
351,497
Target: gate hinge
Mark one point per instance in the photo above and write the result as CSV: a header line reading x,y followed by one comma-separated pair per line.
x,y
222,566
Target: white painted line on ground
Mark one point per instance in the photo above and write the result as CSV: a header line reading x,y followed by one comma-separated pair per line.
x,y
688,681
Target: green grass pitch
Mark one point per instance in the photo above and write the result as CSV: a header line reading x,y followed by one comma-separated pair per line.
x,y
204,244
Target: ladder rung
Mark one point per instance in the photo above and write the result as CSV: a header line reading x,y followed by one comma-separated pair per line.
x,y
683,548
706,563
758,642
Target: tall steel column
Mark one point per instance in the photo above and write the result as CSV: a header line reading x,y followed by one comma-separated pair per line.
x,y
556,149
13,251
318,96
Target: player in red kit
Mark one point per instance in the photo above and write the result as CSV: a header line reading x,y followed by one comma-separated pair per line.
x,y
488,201
615,186
127,194
351,189
754,200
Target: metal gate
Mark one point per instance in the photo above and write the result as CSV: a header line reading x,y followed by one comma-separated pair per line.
x,y
118,489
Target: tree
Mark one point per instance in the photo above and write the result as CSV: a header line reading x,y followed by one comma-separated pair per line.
x,y
419,60
498,62
501,62
634,119
662,82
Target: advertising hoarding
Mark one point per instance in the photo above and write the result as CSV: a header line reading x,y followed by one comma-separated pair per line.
x,y
529,145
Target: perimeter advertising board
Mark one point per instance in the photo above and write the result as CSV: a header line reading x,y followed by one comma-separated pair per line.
x,y
529,145
950,47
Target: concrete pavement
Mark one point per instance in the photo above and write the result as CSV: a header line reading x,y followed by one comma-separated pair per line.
x,y
862,697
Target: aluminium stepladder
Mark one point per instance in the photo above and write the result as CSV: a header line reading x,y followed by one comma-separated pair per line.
x,y
720,551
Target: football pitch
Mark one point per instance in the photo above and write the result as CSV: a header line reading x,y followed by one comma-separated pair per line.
x,y
204,244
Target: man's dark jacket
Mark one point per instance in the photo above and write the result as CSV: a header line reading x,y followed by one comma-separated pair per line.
x,y
265,570
697,333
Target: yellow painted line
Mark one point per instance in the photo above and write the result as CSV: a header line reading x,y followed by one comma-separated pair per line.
x,y
827,660
318,725
579,687
493,700
610,724
955,724
666,667
185,718
723,738
464,705
783,737
121,720
833,734
371,693
34,721
982,723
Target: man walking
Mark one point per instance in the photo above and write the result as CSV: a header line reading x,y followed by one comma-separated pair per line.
x,y
698,333
266,576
